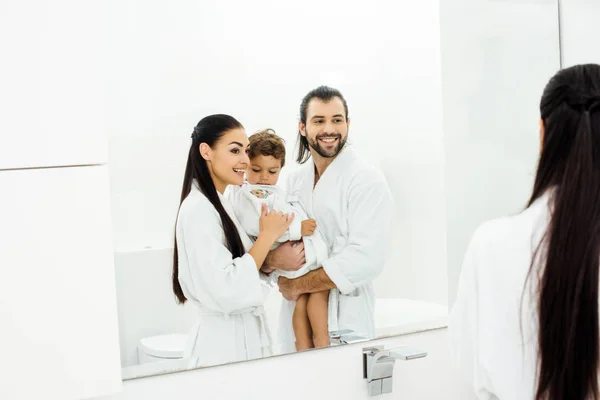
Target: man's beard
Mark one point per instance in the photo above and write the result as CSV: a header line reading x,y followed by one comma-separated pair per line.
x,y
316,146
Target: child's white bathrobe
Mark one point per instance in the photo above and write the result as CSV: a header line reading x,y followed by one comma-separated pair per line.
x,y
247,207
229,293
353,208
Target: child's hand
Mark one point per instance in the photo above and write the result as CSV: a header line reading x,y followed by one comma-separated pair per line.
x,y
308,227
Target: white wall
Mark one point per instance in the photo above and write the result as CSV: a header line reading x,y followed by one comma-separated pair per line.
x,y
52,79
176,62
496,59
328,373
57,296
579,31
57,292
146,303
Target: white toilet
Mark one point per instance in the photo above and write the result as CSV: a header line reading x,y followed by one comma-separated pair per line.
x,y
162,347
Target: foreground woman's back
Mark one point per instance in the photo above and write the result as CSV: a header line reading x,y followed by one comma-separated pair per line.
x,y
525,323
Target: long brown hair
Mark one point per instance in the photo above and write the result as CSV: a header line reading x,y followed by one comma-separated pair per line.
x,y
567,298
209,130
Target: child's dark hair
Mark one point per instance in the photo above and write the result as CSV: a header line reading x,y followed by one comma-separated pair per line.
x,y
267,143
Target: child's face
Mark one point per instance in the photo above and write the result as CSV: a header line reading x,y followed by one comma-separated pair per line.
x,y
264,170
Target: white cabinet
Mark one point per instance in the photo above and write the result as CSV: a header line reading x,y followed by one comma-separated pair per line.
x,y
59,333
53,78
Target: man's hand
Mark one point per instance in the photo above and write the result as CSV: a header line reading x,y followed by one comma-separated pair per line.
x,y
288,289
266,269
287,257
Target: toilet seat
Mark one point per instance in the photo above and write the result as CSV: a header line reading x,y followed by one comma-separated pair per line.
x,y
164,346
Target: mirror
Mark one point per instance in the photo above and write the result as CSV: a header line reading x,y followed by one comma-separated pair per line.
x,y
179,62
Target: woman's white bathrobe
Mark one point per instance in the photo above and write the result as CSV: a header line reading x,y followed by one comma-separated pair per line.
x,y
229,293
498,359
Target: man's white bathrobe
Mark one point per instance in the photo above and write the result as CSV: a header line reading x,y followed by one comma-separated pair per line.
x,y
229,293
353,208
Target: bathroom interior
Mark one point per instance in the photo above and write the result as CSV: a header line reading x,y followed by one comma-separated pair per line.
x,y
443,99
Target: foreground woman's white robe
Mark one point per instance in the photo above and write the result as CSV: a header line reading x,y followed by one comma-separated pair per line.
x,y
484,329
353,208
229,293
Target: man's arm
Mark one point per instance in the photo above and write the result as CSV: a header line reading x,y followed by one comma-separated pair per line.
x,y
314,281
369,219
370,211
289,256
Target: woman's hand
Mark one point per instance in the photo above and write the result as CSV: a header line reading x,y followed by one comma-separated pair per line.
x,y
274,224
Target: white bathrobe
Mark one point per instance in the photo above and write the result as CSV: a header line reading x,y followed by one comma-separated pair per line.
x,y
228,292
247,208
353,207
484,330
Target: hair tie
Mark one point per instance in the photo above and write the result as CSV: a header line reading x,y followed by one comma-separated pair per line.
x,y
593,104
577,100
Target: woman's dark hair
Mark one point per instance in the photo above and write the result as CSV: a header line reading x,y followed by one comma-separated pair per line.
x,y
209,130
323,93
567,298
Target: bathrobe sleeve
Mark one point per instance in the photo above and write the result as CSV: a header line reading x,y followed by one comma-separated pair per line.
x,y
217,278
463,326
366,250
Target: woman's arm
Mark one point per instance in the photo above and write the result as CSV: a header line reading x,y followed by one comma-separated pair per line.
x,y
211,273
261,248
272,224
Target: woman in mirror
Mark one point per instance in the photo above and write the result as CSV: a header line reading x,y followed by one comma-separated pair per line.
x,y
216,266
525,322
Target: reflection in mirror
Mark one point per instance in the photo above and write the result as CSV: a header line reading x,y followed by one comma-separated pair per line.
x,y
238,116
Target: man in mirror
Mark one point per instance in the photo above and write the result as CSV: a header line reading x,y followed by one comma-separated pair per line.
x,y
351,202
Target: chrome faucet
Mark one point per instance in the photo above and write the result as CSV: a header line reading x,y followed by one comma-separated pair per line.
x,y
378,366
345,336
